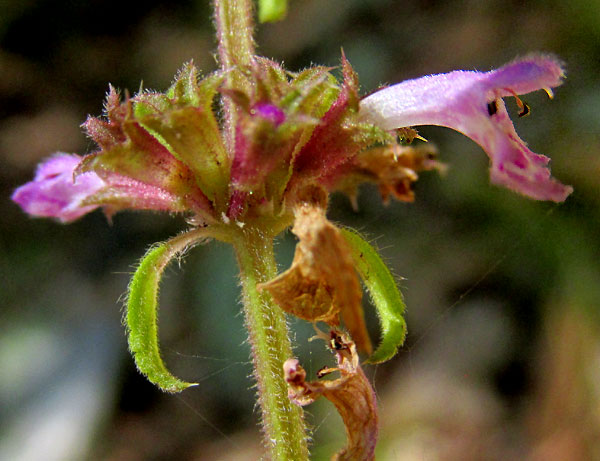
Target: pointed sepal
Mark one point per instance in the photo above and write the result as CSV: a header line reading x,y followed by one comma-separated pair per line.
x,y
183,122
339,134
275,120
138,169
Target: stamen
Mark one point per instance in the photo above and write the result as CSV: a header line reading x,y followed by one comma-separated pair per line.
x,y
492,107
320,334
524,108
325,371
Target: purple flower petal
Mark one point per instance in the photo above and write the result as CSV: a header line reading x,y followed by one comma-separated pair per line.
x,y
55,193
269,112
471,102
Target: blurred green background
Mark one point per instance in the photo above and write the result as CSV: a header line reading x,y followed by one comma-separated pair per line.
x,y
502,360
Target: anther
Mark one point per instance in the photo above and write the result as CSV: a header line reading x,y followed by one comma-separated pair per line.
x,y
525,109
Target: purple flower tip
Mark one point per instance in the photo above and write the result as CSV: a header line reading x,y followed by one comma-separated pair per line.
x,y
269,112
471,103
55,193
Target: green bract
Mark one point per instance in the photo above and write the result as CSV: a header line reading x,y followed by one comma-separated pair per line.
x,y
384,293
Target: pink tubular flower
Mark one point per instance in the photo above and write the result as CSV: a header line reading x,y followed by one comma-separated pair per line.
x,y
55,192
471,102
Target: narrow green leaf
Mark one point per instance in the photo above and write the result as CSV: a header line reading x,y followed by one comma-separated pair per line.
x,y
142,305
271,10
384,293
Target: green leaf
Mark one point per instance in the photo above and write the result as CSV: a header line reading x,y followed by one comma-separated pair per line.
x,y
384,293
142,305
271,10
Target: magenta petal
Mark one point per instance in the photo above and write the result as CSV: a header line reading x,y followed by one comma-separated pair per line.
x,y
460,100
269,112
55,193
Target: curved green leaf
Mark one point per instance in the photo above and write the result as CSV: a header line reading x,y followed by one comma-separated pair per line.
x,y
142,304
384,293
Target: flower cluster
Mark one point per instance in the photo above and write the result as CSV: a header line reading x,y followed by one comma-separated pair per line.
x,y
166,151
291,139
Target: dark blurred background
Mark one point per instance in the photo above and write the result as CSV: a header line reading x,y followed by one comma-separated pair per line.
x,y
502,360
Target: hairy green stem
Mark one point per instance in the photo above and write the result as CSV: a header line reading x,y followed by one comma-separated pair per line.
x,y
283,424
282,421
235,27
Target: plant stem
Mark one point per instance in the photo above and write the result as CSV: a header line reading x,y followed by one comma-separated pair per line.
x,y
283,424
282,421
235,27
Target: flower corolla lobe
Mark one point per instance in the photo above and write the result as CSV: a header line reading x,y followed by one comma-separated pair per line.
x,y
460,100
55,192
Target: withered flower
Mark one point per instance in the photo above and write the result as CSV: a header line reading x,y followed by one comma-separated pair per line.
x,y
322,283
393,168
351,394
